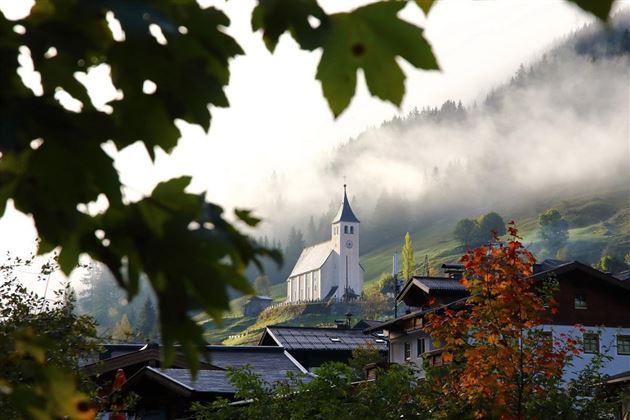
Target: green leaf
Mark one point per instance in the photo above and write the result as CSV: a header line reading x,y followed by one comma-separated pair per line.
x,y
69,257
246,216
370,38
275,17
600,8
425,5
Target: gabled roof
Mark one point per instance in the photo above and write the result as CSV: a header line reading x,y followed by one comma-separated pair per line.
x,y
312,258
416,289
419,313
366,323
313,338
578,266
548,264
146,355
345,213
271,364
543,270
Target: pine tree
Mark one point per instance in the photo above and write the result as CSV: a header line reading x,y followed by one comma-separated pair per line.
x,y
147,321
407,256
122,330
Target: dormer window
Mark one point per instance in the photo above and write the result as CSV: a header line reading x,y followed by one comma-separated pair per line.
x,y
579,301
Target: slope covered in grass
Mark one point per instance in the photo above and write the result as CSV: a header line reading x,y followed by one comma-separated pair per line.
x,y
599,224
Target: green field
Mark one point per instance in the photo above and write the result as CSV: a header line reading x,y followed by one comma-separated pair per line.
x,y
598,224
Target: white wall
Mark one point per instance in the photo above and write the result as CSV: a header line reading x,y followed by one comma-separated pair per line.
x,y
607,344
397,348
607,341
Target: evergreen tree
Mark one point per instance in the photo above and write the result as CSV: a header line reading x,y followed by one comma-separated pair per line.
x,y
311,231
123,330
295,245
147,321
407,257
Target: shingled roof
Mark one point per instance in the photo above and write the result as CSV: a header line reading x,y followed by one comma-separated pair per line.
x,y
313,338
418,289
270,363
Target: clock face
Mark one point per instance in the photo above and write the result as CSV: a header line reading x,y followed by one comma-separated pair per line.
x,y
348,243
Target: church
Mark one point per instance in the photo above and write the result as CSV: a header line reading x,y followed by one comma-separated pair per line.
x,y
330,269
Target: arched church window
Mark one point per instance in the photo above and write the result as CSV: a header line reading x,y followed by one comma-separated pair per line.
x,y
351,229
345,229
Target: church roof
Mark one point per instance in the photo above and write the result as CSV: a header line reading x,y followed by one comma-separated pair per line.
x,y
345,213
312,258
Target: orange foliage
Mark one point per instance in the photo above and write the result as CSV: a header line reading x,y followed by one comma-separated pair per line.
x,y
499,359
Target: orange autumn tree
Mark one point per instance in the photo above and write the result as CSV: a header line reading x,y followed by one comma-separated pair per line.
x,y
496,363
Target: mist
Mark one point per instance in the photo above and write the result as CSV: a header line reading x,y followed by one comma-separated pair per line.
x,y
558,128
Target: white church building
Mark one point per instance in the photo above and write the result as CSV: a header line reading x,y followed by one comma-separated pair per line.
x,y
330,269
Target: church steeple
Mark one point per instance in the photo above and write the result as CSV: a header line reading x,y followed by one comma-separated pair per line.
x,y
345,213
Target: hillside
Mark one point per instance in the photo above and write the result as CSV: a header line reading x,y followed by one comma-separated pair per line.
x,y
599,224
555,135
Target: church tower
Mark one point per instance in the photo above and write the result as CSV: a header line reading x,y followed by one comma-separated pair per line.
x,y
345,242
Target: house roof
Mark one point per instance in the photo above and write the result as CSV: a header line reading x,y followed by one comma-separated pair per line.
x,y
312,338
260,358
345,213
367,323
271,364
545,269
258,297
548,264
417,288
147,354
619,378
622,275
312,258
388,324
576,265
221,358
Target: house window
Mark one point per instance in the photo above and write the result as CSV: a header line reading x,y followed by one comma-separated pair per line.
x,y
420,349
580,301
591,343
407,351
623,344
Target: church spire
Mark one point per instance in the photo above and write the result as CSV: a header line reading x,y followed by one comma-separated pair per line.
x,y
345,213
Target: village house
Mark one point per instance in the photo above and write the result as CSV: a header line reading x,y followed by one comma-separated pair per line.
x,y
598,301
313,346
167,393
256,304
331,269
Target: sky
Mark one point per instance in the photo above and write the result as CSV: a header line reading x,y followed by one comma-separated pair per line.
x,y
278,120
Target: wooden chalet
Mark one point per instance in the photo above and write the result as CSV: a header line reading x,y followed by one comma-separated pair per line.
x,y
598,301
